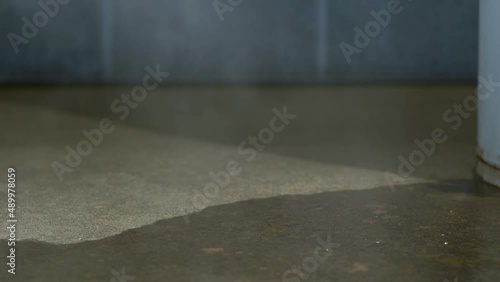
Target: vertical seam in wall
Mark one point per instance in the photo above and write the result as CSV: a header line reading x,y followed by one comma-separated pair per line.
x,y
321,37
107,40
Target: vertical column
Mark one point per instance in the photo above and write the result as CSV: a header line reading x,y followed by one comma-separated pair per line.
x,y
107,40
489,92
322,37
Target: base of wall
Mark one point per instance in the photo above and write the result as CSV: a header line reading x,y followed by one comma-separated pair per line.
x,y
488,172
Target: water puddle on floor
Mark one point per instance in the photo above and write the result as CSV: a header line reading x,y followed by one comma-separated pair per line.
x,y
434,232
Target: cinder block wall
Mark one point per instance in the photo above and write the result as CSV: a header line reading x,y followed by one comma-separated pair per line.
x,y
253,41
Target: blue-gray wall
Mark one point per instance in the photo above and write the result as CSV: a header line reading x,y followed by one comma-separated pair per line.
x,y
260,41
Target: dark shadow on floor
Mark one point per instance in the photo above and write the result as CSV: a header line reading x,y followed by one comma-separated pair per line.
x,y
417,233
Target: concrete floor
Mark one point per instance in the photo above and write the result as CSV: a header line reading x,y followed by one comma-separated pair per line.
x,y
133,202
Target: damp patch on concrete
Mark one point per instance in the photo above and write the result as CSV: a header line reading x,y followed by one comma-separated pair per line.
x,y
433,232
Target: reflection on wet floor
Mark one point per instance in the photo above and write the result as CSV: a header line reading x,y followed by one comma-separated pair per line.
x,y
433,232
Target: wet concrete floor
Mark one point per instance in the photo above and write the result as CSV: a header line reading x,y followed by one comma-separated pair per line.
x,y
426,232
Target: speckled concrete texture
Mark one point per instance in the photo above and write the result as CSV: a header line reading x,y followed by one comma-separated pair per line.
x,y
424,232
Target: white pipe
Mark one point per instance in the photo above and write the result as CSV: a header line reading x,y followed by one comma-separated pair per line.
x,y
488,97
